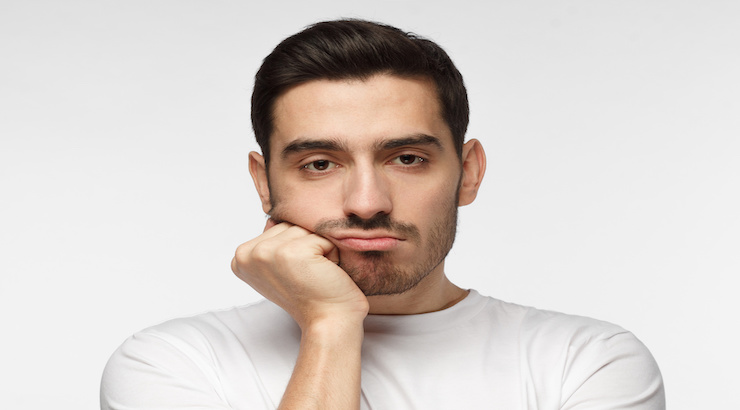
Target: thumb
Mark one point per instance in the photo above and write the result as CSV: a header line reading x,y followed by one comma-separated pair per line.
x,y
333,255
269,224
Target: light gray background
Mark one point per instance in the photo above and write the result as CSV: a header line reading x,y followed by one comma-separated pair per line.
x,y
611,129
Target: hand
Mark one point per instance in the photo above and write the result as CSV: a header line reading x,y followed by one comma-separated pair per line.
x,y
297,270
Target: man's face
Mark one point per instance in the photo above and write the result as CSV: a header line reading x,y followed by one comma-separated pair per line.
x,y
371,166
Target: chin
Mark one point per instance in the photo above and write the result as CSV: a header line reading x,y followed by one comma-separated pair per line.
x,y
375,275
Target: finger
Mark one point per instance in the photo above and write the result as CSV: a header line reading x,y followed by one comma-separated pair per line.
x,y
270,223
272,229
245,248
234,267
272,240
319,246
333,255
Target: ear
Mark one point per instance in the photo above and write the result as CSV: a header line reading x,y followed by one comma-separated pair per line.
x,y
258,170
473,169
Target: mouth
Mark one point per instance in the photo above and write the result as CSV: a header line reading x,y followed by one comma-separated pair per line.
x,y
366,241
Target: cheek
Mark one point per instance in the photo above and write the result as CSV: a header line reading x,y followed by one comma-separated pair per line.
x,y
304,207
429,209
430,199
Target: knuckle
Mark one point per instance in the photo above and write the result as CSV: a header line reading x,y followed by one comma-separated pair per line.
x,y
242,252
280,255
287,252
261,252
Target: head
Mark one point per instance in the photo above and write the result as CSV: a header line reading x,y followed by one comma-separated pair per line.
x,y
361,127
356,49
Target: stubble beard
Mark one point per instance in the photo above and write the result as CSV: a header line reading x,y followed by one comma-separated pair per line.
x,y
376,274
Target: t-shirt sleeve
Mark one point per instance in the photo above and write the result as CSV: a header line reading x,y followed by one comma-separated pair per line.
x,y
149,371
612,371
578,363
239,358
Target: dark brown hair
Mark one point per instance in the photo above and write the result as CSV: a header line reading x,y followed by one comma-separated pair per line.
x,y
355,49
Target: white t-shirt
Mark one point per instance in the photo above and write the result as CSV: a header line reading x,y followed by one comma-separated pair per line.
x,y
481,353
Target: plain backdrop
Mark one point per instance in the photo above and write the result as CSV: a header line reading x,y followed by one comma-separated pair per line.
x,y
613,186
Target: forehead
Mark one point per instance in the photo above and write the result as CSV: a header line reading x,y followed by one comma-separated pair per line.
x,y
359,112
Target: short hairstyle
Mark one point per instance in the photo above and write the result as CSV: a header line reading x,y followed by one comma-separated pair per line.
x,y
355,49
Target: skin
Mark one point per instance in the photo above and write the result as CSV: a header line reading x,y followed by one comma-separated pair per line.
x,y
364,185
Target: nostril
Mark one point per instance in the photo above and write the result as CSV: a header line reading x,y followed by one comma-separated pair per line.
x,y
379,220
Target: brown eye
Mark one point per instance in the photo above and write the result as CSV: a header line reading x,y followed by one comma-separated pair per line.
x,y
319,165
408,159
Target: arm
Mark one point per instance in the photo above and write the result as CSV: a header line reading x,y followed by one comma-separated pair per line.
x,y
298,271
327,373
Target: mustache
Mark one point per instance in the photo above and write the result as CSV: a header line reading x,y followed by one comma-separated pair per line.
x,y
378,221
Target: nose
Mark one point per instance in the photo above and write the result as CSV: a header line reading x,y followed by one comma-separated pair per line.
x,y
366,193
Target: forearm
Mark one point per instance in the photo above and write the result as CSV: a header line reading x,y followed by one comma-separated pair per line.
x,y
327,372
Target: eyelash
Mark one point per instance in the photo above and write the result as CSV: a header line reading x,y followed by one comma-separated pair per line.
x,y
307,165
417,161
416,158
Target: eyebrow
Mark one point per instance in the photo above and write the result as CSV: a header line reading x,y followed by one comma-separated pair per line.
x,y
306,144
417,139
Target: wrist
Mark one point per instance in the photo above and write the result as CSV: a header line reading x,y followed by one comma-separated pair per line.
x,y
334,329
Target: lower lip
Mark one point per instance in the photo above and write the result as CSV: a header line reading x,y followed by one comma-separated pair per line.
x,y
370,244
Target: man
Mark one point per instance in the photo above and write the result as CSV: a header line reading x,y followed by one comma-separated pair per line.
x,y
362,169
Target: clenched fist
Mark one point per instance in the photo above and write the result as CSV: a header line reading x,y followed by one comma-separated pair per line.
x,y
297,270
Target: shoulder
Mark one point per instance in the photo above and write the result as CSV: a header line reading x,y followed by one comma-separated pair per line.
x,y
240,321
194,355
535,326
581,344
216,329
582,360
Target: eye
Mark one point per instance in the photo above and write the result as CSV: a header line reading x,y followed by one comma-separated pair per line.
x,y
408,159
319,165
